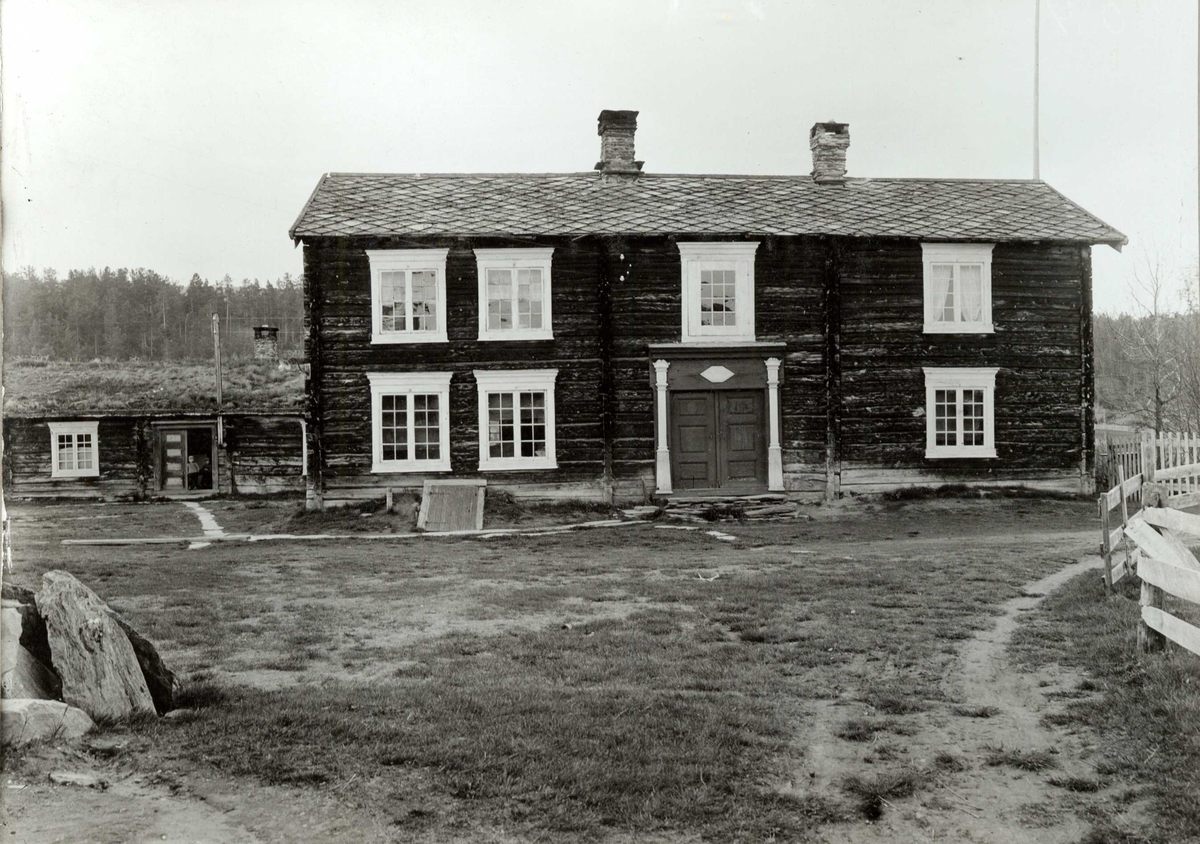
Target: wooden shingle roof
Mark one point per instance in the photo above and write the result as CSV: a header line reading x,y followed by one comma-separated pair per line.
x,y
994,210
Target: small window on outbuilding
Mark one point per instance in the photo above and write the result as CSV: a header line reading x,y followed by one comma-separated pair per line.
x,y
74,450
958,288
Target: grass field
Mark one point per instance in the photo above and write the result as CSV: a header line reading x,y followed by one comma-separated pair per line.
x,y
583,686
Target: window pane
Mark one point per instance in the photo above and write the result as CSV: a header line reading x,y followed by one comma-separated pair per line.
x,y
426,442
533,424
970,288
424,300
529,298
66,451
500,425
499,285
973,417
394,423
83,451
391,297
718,293
943,292
945,415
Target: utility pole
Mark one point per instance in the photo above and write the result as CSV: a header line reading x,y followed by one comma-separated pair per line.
x,y
1037,58
216,332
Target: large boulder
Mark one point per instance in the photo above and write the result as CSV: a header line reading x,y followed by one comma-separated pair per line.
x,y
160,680
33,629
90,652
26,677
25,720
21,673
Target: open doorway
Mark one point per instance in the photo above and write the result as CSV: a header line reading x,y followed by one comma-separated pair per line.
x,y
187,459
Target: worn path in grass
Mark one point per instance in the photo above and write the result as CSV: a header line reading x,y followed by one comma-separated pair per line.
x,y
791,629
998,719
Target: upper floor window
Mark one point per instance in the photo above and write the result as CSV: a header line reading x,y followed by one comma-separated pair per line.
x,y
718,291
514,294
960,412
958,288
408,295
410,423
73,450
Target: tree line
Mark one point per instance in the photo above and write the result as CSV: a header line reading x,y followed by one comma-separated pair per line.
x,y
1148,359
124,314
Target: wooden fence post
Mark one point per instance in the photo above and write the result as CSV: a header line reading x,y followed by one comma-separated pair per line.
x,y
1105,544
1149,639
1149,457
1125,525
387,501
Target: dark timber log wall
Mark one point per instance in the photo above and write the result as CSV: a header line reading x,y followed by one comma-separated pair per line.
x,y
788,305
340,276
852,403
263,453
1037,300
122,461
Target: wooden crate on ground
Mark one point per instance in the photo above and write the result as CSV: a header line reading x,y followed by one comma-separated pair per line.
x,y
452,505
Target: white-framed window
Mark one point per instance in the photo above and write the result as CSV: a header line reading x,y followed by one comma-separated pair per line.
x,y
408,295
718,291
410,421
74,450
516,419
958,288
960,412
514,294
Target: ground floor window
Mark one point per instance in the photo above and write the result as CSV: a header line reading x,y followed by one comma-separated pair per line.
x,y
959,412
73,450
516,419
410,421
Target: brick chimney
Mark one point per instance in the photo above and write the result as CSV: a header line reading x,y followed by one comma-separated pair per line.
x,y
829,142
266,343
616,129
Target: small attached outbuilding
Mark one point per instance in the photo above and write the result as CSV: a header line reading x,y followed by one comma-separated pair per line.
x,y
142,430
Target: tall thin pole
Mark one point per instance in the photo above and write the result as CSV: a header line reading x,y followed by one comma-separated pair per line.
x,y
216,332
1037,58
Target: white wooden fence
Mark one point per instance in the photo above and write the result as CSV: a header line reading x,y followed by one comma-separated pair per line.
x,y
1166,567
1133,454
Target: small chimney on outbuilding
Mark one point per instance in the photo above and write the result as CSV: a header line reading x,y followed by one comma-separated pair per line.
x,y
616,130
829,142
266,343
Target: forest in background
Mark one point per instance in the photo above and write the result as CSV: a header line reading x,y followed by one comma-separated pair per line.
x,y
125,314
1147,361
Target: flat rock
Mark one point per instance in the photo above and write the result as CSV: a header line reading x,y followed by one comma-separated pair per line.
x,y
26,720
24,676
160,680
90,652
72,778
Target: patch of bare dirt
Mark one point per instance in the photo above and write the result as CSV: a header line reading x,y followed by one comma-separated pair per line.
x,y
978,803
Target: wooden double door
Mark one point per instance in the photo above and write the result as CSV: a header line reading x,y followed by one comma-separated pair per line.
x,y
718,440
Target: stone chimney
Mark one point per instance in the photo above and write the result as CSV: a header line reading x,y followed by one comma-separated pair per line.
x,y
266,343
829,142
616,129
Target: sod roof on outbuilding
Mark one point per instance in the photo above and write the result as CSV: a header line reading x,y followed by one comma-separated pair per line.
x,y
573,204
34,388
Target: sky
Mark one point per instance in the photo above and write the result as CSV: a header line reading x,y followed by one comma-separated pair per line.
x,y
184,136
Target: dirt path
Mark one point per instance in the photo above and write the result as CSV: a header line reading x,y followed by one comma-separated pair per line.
x,y
983,804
